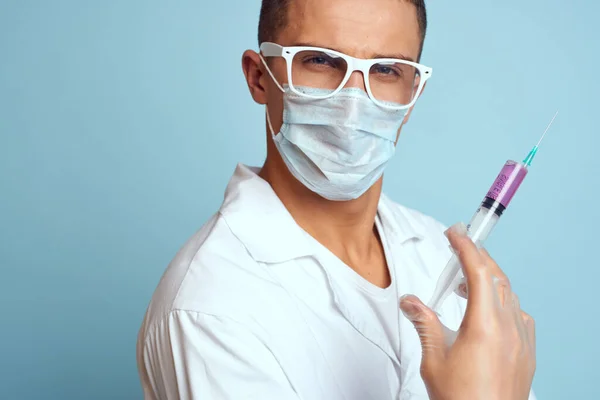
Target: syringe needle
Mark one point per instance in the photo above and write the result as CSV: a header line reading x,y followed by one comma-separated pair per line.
x,y
547,129
534,151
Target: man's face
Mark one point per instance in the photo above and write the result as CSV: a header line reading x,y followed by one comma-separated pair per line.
x,y
363,29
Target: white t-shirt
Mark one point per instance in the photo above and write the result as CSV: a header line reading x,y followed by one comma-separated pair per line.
x,y
379,306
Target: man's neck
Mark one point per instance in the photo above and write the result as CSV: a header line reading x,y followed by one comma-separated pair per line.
x,y
344,227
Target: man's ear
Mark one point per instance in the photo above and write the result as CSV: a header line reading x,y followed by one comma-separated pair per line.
x,y
253,71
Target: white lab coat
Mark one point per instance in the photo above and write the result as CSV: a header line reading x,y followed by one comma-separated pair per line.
x,y
247,311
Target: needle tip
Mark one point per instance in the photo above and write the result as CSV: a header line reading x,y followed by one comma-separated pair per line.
x,y
547,129
535,149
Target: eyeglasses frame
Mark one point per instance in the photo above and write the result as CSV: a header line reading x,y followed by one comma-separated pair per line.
x,y
270,49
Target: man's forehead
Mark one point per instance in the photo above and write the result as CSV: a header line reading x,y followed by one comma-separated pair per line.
x,y
360,28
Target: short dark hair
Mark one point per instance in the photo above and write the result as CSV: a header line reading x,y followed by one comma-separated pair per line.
x,y
273,17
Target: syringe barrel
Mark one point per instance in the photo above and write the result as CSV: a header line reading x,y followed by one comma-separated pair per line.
x,y
494,203
481,225
478,230
496,200
505,186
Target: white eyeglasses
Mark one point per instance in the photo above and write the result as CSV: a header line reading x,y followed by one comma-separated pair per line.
x,y
319,73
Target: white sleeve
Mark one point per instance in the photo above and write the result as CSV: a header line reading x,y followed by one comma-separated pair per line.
x,y
196,356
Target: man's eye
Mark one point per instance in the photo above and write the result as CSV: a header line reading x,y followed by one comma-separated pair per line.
x,y
386,70
318,60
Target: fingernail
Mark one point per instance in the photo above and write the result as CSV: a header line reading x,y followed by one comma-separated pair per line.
x,y
408,307
459,229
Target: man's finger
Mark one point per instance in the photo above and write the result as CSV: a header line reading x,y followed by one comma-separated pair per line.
x,y
530,327
501,281
430,329
482,293
491,263
518,318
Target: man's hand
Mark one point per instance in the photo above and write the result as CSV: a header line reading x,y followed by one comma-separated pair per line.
x,y
492,356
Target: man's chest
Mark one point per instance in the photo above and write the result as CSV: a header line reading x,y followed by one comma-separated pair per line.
x,y
326,356
334,345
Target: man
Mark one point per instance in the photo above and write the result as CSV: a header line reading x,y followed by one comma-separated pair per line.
x,y
292,290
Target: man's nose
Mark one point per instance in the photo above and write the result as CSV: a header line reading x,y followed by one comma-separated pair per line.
x,y
356,80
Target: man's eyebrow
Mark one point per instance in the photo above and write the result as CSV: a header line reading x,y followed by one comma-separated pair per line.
x,y
308,44
397,56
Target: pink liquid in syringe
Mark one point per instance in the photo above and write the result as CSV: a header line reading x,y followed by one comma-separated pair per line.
x,y
508,181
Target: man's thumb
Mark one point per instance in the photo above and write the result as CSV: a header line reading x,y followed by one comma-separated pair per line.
x,y
428,326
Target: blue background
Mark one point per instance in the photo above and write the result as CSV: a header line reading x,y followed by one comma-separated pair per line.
x,y
122,121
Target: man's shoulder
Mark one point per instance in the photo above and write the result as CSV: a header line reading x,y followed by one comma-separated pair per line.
x,y
210,274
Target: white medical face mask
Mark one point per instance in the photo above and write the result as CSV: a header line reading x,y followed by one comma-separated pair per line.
x,y
339,146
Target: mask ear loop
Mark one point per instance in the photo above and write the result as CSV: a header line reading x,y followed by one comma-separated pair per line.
x,y
271,73
269,122
280,88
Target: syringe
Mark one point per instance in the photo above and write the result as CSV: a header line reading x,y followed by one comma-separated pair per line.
x,y
485,219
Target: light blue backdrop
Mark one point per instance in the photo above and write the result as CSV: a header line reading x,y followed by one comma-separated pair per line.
x,y
121,122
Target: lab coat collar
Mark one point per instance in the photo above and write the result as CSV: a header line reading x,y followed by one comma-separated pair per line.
x,y
259,219
398,222
261,222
